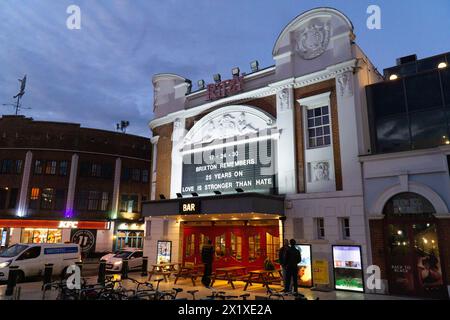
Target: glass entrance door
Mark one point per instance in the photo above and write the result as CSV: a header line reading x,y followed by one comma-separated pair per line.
x,y
413,260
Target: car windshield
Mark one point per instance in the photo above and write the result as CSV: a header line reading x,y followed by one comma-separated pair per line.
x,y
122,254
13,251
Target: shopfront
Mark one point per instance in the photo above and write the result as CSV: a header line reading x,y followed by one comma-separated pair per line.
x,y
413,249
128,235
51,231
245,229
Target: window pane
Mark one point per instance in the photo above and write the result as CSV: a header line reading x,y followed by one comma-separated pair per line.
x,y
319,131
317,112
326,120
428,128
327,140
318,121
392,134
445,76
386,98
310,113
326,130
423,91
324,110
47,198
310,123
312,133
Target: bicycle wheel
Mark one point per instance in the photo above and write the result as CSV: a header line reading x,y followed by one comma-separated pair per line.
x,y
167,296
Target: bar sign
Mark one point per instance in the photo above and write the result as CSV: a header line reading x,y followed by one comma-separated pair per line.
x,y
190,207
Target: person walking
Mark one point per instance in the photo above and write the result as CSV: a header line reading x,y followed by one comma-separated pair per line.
x,y
207,259
282,259
293,258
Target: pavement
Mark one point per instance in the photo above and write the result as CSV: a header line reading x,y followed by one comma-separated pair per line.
x,y
32,290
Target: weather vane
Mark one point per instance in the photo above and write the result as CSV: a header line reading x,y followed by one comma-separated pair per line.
x,y
19,96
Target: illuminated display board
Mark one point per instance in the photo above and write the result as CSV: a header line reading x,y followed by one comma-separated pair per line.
x,y
305,267
348,270
248,166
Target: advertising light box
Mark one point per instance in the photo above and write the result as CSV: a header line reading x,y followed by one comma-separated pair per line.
x,y
348,270
164,252
248,166
304,267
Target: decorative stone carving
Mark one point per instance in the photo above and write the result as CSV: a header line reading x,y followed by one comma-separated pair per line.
x,y
227,126
178,130
320,171
283,97
345,84
312,41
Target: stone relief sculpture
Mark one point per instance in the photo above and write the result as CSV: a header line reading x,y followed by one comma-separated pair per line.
x,y
178,130
321,171
284,99
227,126
312,41
345,84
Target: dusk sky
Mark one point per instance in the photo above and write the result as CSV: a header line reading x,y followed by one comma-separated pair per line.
x,y
102,73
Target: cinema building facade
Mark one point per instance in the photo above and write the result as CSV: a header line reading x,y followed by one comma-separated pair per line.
x,y
266,155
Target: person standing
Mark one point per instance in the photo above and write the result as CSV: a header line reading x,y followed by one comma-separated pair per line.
x,y
282,259
207,259
293,258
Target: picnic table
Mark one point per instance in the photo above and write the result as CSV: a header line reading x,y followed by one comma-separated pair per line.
x,y
188,272
230,274
266,277
164,269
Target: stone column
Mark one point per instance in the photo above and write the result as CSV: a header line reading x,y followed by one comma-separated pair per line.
x,y
179,129
287,177
23,197
116,191
72,185
154,141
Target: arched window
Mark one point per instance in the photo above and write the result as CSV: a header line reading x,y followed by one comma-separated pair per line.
x,y
408,204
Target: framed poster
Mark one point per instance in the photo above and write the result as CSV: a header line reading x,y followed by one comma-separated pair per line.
x,y
347,268
305,278
164,252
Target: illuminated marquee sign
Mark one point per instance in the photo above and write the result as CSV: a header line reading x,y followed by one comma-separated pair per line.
x,y
243,167
225,88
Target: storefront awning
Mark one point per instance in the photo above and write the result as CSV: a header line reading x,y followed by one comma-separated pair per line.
x,y
239,203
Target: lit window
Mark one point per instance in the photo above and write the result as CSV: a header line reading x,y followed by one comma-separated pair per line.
x,y
319,132
320,228
345,228
50,167
38,167
47,198
34,194
63,165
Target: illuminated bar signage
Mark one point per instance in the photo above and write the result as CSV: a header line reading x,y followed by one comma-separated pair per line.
x,y
227,169
189,206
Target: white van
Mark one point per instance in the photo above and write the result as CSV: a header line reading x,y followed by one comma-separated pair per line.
x,y
31,258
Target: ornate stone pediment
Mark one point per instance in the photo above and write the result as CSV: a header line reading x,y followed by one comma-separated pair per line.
x,y
228,122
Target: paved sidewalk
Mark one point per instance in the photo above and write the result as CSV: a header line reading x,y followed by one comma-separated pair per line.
x,y
32,290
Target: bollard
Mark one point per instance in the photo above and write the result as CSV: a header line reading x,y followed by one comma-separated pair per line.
x,y
144,266
101,272
12,280
124,268
48,271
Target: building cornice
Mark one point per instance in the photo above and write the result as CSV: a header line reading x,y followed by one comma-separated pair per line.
x,y
271,89
405,154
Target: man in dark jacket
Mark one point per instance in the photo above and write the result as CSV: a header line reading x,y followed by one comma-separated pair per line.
x,y
207,259
282,258
293,258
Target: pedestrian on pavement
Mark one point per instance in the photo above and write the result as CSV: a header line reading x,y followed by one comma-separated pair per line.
x,y
282,258
207,259
293,258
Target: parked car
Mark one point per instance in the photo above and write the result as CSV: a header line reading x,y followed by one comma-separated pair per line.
x,y
31,258
114,263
